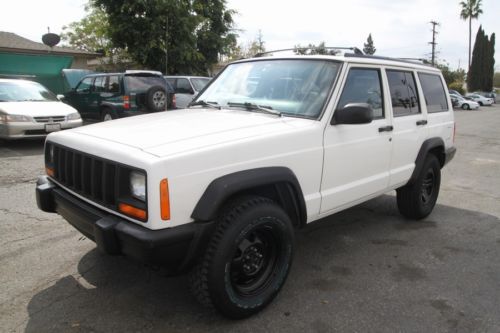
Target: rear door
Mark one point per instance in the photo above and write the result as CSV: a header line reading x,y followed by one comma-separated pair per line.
x,y
357,157
409,121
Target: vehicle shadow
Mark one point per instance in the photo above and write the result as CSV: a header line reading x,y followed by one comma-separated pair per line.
x,y
367,263
17,148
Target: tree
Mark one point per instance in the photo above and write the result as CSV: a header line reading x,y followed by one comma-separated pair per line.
x,y
471,9
451,76
496,79
312,49
188,35
369,48
91,34
480,75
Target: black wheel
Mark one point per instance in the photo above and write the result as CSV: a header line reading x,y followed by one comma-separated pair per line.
x,y
247,260
417,200
156,98
108,114
466,106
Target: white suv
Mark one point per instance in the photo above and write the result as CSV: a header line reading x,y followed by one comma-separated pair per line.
x,y
272,144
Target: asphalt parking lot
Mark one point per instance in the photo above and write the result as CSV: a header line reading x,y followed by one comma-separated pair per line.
x,y
364,269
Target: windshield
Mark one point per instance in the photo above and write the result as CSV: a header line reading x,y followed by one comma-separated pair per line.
x,y
22,91
292,87
142,83
199,83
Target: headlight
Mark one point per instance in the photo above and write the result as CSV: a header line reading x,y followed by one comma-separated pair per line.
x,y
73,116
14,118
138,185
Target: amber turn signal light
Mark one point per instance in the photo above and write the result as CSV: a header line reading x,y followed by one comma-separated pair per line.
x,y
132,211
49,171
164,200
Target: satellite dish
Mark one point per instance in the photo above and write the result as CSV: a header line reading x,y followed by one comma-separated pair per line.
x,y
51,39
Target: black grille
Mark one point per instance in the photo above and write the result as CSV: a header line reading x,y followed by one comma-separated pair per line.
x,y
92,177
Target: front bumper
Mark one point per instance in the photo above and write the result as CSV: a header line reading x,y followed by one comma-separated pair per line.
x,y
21,130
173,248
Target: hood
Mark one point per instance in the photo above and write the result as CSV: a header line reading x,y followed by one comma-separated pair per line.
x,y
172,132
37,109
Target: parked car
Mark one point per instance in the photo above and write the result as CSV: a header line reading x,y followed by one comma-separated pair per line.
x,y
271,145
29,110
460,102
116,95
491,94
480,99
186,88
454,92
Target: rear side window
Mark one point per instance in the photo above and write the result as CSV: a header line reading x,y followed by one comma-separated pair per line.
x,y
363,86
100,84
404,97
114,84
435,96
183,86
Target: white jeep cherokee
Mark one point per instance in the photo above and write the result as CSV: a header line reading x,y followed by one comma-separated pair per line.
x,y
271,144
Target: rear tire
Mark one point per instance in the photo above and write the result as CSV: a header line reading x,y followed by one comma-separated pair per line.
x,y
247,260
466,106
416,201
108,114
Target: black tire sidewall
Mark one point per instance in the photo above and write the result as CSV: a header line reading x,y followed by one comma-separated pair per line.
x,y
224,297
426,208
106,111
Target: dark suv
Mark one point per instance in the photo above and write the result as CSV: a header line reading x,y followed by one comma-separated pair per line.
x,y
115,95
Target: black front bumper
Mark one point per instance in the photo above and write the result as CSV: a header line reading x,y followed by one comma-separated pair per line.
x,y
173,248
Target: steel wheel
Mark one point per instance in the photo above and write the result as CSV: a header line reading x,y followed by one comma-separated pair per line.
x,y
159,99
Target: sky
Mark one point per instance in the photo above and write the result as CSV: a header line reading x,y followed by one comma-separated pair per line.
x,y
399,28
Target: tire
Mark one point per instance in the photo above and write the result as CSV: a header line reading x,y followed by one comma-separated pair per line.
x,y
247,260
108,114
156,98
466,106
417,200
480,103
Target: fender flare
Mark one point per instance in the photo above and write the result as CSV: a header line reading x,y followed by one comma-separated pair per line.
x,y
427,146
222,188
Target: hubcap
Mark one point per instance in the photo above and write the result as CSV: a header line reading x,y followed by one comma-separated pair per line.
x,y
107,117
427,189
159,99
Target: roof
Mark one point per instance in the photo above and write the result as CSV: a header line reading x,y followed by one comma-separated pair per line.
x,y
10,42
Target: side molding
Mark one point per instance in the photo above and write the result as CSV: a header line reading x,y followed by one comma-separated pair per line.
x,y
427,146
221,189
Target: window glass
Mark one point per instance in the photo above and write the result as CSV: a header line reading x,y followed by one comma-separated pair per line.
x,y
435,97
20,91
183,86
84,86
363,86
141,83
404,97
114,84
100,84
199,83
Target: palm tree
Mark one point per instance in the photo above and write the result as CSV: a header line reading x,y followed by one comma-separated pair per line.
x,y
471,9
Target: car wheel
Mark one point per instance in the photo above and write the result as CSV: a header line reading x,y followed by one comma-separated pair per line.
x,y
480,103
466,106
156,98
416,201
107,115
247,260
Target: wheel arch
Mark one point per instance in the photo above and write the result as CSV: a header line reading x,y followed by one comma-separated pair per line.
x,y
277,183
434,146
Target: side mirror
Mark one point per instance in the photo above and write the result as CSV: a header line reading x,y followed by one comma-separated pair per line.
x,y
352,114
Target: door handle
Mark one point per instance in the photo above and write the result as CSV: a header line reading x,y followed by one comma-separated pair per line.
x,y
421,122
386,129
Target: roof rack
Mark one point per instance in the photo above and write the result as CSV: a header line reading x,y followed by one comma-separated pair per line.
x,y
405,60
354,49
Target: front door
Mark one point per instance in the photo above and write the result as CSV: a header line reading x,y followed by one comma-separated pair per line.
x,y
79,98
357,157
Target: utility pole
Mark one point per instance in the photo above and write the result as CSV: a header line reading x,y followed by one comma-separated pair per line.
x,y
166,48
433,43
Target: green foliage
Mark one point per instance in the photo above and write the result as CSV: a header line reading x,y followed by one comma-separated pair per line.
x,y
369,48
191,33
312,49
496,80
480,75
451,76
458,86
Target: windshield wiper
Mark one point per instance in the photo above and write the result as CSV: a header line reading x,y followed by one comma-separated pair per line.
x,y
205,103
256,107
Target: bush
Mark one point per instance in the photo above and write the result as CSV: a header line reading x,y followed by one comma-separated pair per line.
x,y
458,86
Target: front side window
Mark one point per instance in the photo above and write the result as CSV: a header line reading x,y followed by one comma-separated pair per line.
x,y
183,86
363,85
435,97
199,83
404,96
294,87
85,85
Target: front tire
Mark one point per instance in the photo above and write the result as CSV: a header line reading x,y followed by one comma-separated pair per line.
x,y
466,106
417,200
247,260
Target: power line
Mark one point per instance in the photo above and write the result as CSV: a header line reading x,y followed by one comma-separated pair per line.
x,y
433,43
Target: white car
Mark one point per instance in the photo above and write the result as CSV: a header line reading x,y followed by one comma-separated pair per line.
x,y
463,103
186,88
480,99
271,145
29,110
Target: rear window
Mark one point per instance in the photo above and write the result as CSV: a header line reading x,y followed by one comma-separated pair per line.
x,y
434,93
141,83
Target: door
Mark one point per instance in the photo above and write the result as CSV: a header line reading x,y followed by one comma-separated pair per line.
x,y
94,101
79,98
184,93
409,123
357,157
